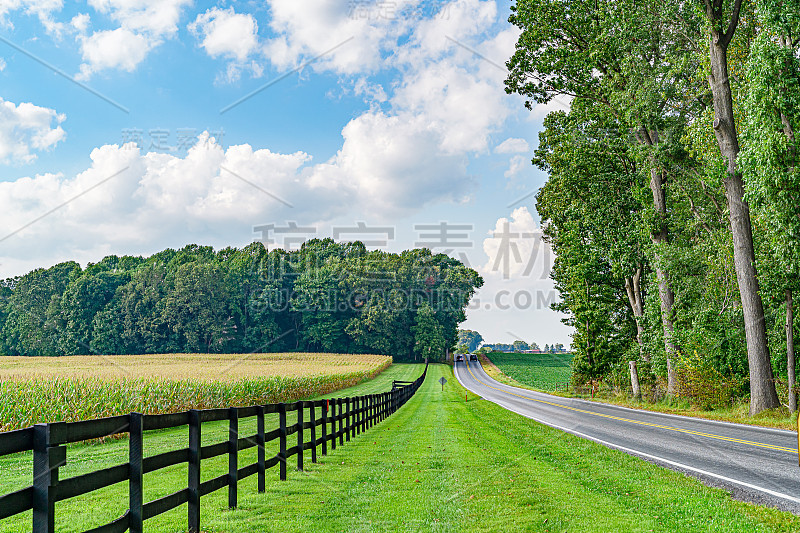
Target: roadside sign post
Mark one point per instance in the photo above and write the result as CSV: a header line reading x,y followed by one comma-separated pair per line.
x,y
442,381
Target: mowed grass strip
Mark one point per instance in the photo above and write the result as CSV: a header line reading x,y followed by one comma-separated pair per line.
x,y
545,371
443,463
97,508
43,389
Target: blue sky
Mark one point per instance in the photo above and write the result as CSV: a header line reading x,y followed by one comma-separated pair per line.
x,y
118,119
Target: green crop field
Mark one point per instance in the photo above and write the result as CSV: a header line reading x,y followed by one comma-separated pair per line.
x,y
546,371
51,389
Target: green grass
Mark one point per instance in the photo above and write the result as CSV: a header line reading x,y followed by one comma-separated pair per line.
x,y
445,464
546,371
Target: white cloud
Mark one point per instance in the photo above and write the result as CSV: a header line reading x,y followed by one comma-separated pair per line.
x,y
26,128
2,64
514,302
464,107
516,248
143,202
43,9
158,18
144,24
80,23
393,165
312,28
372,92
231,35
516,165
226,33
120,49
512,146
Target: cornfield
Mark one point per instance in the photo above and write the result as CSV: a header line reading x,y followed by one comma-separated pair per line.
x,y
69,389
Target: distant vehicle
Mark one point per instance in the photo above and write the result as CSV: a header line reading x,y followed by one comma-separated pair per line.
x,y
473,357
459,357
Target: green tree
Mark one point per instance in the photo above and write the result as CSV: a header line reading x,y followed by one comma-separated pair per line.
x,y
770,156
429,337
472,339
32,320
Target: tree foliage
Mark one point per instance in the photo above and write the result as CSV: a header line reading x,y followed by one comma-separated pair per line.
x,y
647,171
327,296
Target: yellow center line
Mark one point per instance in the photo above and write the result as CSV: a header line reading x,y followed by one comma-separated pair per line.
x,y
621,419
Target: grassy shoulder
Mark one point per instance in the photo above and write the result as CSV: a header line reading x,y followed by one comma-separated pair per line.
x,y
541,378
443,463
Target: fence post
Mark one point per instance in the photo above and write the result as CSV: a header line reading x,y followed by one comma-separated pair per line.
x,y
261,452
313,411
300,436
136,478
357,406
233,456
362,415
348,417
362,411
325,427
47,458
334,415
339,415
282,449
194,471
370,407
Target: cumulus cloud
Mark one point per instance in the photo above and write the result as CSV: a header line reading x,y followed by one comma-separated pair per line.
x,y
143,25
516,248
395,165
231,35
517,286
43,9
512,146
139,202
453,74
516,165
27,128
346,37
121,49
226,33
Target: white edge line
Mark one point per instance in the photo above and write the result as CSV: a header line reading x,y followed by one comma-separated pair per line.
x,y
592,403
649,456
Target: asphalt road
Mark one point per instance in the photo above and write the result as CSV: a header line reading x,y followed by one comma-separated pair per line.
x,y
755,464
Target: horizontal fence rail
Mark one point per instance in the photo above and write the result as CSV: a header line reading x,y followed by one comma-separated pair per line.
x,y
328,421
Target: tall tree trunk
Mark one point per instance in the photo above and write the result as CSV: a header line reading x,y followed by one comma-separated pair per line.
x,y
637,391
762,387
660,236
634,290
589,358
790,362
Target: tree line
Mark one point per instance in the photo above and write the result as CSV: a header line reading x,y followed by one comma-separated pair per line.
x,y
673,198
324,297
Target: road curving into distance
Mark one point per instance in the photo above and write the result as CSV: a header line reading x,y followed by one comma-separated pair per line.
x,y
755,464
